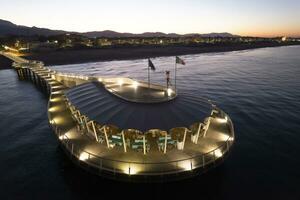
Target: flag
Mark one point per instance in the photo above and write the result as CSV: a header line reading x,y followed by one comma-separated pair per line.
x,y
179,61
151,65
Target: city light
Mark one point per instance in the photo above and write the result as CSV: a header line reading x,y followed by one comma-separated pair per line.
x,y
283,39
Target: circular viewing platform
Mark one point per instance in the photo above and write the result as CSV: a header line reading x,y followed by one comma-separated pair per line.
x,y
138,91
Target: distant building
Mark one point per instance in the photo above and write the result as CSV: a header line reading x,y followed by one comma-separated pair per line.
x,y
42,46
103,42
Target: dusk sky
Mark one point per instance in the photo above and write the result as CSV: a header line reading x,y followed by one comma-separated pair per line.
x,y
255,18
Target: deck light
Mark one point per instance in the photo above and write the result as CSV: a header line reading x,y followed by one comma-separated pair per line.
x,y
120,82
223,120
55,99
84,156
131,170
57,86
186,165
218,153
53,109
57,92
59,120
61,137
135,84
169,91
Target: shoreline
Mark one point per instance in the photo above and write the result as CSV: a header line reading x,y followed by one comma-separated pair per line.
x,y
65,57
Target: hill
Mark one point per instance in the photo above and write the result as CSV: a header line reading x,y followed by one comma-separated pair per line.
x,y
9,28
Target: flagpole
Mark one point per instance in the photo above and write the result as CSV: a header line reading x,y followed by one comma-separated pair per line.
x,y
175,74
148,77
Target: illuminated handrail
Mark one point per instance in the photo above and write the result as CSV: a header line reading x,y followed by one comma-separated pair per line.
x,y
85,156
228,141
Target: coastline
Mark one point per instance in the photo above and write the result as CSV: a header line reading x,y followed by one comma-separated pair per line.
x,y
129,53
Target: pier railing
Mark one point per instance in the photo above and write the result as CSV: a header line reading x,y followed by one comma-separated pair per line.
x,y
146,168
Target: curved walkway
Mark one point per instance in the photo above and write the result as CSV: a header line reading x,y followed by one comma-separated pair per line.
x,y
80,136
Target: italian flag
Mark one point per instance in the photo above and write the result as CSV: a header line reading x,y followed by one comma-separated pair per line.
x,y
179,61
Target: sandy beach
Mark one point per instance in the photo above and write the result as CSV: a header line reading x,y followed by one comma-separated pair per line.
x,y
124,53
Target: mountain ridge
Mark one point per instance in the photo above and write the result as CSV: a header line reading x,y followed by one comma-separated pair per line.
x,y
9,28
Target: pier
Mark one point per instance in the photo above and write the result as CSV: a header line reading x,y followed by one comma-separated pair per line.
x,y
148,145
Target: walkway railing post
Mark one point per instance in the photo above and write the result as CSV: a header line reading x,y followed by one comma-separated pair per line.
x,y
184,137
227,145
124,142
106,137
198,133
214,156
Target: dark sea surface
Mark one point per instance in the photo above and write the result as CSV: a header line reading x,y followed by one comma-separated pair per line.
x,y
259,89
